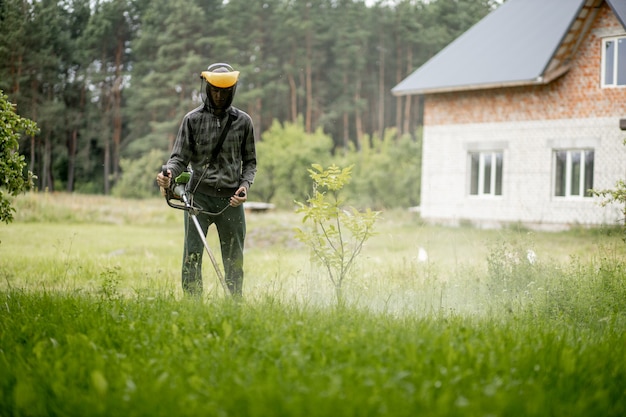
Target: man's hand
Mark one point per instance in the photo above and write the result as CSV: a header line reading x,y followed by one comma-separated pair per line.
x,y
239,198
163,181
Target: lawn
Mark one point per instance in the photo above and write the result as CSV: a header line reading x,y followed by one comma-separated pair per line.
x,y
93,321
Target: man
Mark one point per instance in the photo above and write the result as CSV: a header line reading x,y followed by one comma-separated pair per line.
x,y
221,176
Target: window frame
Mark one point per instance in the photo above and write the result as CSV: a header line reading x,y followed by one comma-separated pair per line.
x,y
570,168
495,185
615,62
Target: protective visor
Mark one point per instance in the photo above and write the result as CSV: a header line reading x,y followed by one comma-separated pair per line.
x,y
221,79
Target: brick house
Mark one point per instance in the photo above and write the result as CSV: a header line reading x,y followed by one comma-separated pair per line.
x,y
522,116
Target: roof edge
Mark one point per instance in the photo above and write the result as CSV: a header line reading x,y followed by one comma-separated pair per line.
x,y
620,11
540,80
564,36
544,77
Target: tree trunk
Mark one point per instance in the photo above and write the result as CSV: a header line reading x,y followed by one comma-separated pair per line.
x,y
407,113
33,141
18,74
117,112
381,91
309,96
346,121
73,145
346,131
33,153
105,98
341,302
309,78
107,164
399,77
408,98
258,120
71,159
293,97
47,182
358,120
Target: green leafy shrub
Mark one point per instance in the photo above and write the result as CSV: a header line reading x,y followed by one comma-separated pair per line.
x,y
138,176
616,195
590,292
12,164
387,171
511,268
282,153
338,234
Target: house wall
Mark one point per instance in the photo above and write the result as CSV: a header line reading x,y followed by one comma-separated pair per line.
x,y
528,123
527,172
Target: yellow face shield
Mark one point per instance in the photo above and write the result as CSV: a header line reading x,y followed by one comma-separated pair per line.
x,y
221,79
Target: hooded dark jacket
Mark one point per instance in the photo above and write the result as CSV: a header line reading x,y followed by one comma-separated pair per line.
x,y
199,132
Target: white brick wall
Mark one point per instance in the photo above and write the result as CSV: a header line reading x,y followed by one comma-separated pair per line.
x,y
527,172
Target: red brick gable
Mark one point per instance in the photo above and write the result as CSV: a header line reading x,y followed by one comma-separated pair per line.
x,y
577,94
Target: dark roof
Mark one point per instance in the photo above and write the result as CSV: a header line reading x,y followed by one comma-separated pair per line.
x,y
513,45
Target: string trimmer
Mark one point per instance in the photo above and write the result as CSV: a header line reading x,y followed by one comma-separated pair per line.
x,y
178,196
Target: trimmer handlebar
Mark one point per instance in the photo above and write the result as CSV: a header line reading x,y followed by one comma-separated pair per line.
x,y
175,192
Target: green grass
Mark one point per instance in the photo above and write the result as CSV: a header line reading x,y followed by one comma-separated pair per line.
x,y
93,322
158,356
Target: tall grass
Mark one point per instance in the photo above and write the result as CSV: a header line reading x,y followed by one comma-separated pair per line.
x,y
93,322
159,356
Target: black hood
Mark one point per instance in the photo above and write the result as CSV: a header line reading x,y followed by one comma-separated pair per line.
x,y
228,101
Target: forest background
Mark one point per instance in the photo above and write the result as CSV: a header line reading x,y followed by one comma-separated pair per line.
x,y
108,82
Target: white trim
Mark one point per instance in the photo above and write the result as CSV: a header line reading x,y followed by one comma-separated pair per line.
x,y
573,143
616,40
485,146
490,153
569,153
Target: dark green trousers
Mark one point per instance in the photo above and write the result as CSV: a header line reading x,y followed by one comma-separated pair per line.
x,y
231,229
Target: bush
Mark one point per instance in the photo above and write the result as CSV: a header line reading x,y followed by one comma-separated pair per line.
x,y
616,195
338,234
283,155
387,172
138,176
12,163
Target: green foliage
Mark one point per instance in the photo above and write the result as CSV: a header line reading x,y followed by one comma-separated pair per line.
x,y
95,323
511,268
338,235
172,45
66,353
387,171
616,195
107,80
587,293
283,151
110,283
138,176
12,179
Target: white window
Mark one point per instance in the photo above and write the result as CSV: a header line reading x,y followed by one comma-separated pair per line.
x,y
614,62
573,172
486,173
